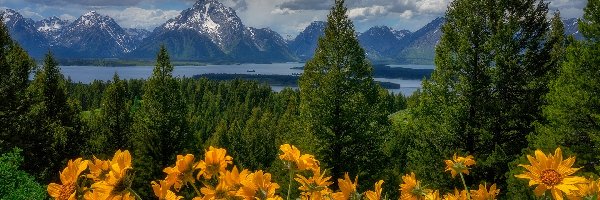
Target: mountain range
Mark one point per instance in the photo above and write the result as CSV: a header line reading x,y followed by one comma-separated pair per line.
x,y
212,33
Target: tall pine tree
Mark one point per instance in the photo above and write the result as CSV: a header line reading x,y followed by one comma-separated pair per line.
x,y
15,67
487,89
337,99
573,115
160,125
54,135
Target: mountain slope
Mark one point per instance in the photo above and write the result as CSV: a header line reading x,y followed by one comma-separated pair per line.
x,y
380,41
420,45
24,32
305,44
95,36
218,35
572,28
51,28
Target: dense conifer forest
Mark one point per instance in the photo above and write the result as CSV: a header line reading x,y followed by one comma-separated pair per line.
x,y
511,111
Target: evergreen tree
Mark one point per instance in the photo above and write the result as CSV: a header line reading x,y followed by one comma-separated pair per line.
x,y
15,67
160,124
53,136
487,89
337,98
115,115
573,115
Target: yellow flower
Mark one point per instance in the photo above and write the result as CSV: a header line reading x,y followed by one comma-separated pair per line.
x,y
315,187
290,153
308,162
551,173
347,188
99,169
214,163
117,185
234,178
433,195
459,164
257,186
458,195
163,192
68,179
375,195
182,173
411,188
484,194
220,192
586,191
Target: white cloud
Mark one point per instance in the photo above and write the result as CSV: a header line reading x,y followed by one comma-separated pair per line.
x,y
362,13
284,11
134,17
30,13
67,17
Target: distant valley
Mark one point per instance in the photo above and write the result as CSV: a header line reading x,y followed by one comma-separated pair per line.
x,y
210,32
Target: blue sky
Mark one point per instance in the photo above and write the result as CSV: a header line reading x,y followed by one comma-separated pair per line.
x,y
287,17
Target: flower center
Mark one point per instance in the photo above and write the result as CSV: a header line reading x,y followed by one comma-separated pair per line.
x,y
551,177
66,191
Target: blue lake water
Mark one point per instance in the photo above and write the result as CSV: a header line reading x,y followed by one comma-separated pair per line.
x,y
87,74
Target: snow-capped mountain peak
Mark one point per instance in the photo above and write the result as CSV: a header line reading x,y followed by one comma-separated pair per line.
x,y
11,16
51,24
212,19
93,29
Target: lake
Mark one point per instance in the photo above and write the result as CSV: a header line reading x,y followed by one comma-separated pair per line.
x,y
87,74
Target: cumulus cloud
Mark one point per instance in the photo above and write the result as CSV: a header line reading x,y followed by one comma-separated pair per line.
x,y
67,17
135,17
88,2
362,13
30,13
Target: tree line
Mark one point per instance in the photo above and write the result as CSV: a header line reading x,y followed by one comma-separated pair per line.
x,y
507,82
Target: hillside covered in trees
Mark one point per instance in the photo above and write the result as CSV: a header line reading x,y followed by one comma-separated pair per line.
x,y
509,87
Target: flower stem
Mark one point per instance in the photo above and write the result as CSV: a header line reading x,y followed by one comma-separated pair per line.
x,y
195,189
290,181
135,194
465,184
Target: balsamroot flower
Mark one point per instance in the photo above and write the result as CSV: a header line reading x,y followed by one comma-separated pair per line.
x,y
315,187
215,162
182,173
551,172
118,184
163,192
459,165
590,190
291,154
219,192
347,189
411,188
484,194
433,195
99,169
258,185
375,195
458,195
68,178
233,179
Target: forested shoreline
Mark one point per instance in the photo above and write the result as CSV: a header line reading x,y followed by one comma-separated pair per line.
x,y
509,88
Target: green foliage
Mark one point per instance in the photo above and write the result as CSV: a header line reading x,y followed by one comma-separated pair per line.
x,y
55,136
573,113
15,183
338,95
15,67
493,64
160,126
